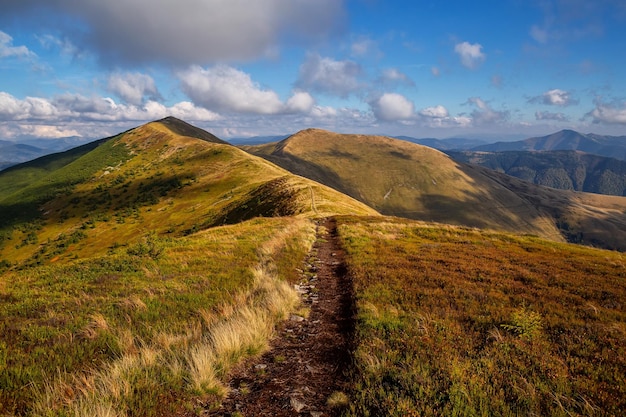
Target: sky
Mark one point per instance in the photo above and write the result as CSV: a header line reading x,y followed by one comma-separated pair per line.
x,y
498,69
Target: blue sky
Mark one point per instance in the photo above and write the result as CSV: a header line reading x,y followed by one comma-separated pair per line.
x,y
496,69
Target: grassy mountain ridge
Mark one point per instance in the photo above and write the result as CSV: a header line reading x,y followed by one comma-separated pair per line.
x,y
403,179
151,265
565,170
149,179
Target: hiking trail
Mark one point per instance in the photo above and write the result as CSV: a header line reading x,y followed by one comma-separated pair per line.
x,y
308,358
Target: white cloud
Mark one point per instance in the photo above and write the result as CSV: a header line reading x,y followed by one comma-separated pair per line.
x,y
47,131
132,87
226,89
184,31
557,97
12,108
438,111
609,114
439,117
74,107
483,114
339,78
554,97
471,54
392,106
8,50
300,102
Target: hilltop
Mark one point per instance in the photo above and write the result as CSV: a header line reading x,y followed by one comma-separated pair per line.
x,y
408,180
166,177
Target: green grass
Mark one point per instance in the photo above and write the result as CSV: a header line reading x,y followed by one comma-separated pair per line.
x,y
455,321
149,179
129,321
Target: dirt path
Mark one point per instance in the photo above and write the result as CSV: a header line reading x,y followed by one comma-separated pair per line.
x,y
309,357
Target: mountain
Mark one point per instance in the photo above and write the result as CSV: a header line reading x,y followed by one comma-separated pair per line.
x,y
445,144
566,170
159,271
257,140
609,146
13,153
403,179
168,177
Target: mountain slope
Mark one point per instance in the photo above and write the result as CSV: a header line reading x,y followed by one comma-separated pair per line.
x,y
566,170
609,146
147,180
403,179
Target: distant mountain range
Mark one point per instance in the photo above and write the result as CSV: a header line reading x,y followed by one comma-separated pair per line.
x,y
12,153
445,144
565,170
565,140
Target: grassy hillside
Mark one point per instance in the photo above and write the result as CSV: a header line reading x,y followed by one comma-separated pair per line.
x,y
455,321
585,218
565,170
147,180
124,289
412,181
404,179
149,329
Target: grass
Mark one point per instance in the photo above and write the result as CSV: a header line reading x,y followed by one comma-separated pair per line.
x,y
399,178
148,180
455,321
130,333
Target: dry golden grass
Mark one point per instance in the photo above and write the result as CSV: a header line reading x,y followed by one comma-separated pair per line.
x,y
154,334
412,181
165,185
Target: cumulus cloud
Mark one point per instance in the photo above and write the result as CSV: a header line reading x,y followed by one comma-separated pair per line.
x,y
184,31
225,89
8,50
325,75
300,102
554,97
391,107
608,113
438,111
132,87
439,117
484,114
471,54
545,115
75,107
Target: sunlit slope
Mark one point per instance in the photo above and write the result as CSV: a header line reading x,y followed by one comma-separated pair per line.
x,y
153,180
586,218
404,179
